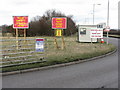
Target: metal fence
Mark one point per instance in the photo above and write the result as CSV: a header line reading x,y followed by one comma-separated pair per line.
x,y
19,51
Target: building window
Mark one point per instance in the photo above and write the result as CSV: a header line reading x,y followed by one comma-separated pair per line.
x,y
99,26
83,31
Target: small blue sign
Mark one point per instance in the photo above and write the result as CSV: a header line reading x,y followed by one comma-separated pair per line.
x,y
40,45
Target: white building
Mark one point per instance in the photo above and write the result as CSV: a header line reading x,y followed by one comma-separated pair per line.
x,y
84,32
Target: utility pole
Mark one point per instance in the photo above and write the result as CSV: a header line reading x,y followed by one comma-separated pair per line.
x,y
107,21
94,12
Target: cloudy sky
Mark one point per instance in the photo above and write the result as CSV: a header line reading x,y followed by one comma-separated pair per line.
x,y
82,10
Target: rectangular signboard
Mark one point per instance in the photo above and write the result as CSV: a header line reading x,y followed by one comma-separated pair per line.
x,y
59,23
40,45
96,33
20,22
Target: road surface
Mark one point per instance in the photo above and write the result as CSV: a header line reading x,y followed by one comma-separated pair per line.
x,y
99,73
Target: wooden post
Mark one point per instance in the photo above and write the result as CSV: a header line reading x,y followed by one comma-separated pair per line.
x,y
91,40
55,42
63,42
17,38
24,35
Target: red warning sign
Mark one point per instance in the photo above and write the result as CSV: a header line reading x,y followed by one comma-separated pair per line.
x,y
59,23
20,22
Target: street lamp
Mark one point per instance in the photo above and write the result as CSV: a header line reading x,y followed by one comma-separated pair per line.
x,y
107,21
108,14
94,11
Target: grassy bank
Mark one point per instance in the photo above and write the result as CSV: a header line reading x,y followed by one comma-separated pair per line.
x,y
73,51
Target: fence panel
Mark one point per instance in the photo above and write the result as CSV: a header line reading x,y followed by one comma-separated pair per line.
x,y
17,52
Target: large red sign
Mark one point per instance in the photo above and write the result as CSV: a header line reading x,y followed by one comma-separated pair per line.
x,y
20,22
59,23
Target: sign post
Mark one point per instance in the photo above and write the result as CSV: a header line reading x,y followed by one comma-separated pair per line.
x,y
55,42
20,22
24,35
17,38
59,23
58,33
107,29
63,43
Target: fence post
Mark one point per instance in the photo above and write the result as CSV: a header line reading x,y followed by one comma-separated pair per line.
x,y
16,38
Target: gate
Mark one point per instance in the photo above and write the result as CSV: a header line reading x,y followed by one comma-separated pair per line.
x,y
19,52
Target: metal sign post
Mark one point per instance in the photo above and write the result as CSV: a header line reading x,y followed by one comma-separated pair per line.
x,y
107,29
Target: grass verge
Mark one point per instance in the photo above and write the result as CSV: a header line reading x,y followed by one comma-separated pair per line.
x,y
74,51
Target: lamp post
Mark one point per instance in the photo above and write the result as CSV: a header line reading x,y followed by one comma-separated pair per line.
x,y
107,20
94,11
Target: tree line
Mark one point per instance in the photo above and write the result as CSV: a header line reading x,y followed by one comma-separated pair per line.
x,y
113,32
42,25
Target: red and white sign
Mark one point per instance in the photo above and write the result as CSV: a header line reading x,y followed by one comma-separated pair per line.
x,y
107,29
96,33
20,22
59,23
40,45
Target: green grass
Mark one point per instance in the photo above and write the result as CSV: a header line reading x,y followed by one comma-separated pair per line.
x,y
73,51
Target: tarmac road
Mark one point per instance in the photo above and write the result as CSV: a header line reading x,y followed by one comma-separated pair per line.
x,y
102,72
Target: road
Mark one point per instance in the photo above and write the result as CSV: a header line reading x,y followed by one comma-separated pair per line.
x,y
99,73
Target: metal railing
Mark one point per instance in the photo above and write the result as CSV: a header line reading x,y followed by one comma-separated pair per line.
x,y
18,52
